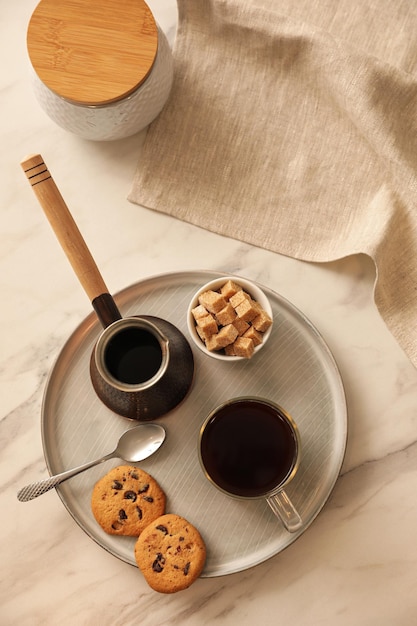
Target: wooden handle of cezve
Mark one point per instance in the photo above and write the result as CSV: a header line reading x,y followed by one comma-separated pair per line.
x,y
67,232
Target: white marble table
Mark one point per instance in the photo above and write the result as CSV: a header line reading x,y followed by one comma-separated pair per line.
x,y
356,564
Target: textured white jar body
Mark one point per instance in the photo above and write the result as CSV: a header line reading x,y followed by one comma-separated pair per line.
x,y
118,119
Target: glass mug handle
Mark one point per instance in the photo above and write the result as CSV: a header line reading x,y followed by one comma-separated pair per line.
x,y
283,508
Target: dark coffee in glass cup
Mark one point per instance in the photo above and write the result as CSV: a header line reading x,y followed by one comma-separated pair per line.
x,y
249,447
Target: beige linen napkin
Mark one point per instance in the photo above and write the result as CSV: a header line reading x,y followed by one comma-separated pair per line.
x,y
292,126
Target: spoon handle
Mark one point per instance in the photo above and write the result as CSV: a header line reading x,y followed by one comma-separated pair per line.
x,y
64,225
37,489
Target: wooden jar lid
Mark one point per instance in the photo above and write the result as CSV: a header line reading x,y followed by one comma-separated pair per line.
x,y
92,52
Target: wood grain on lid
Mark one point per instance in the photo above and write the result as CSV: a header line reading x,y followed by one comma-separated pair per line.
x,y
92,52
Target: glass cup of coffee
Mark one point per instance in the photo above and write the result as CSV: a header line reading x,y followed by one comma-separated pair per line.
x,y
249,448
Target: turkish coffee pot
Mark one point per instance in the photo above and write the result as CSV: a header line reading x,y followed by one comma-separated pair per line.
x,y
141,366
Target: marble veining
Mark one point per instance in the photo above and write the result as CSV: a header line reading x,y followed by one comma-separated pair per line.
x,y
356,564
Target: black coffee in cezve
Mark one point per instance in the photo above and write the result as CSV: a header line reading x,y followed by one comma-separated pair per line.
x,y
133,356
248,448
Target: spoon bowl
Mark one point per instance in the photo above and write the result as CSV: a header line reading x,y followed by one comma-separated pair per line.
x,y
135,444
140,442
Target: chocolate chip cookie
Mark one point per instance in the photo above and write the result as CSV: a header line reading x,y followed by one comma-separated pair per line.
x,y
170,553
126,500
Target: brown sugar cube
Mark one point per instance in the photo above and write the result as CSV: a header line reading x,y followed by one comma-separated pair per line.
x,y
229,289
226,335
257,306
202,334
226,315
253,334
223,338
240,325
199,311
208,325
247,310
239,297
212,301
243,347
229,350
212,344
262,321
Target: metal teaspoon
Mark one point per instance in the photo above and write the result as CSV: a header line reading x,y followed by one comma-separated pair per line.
x,y
136,444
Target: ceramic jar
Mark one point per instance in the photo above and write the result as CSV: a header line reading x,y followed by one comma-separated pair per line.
x,y
102,70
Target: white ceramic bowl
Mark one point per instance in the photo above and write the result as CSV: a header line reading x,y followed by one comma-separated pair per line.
x,y
252,289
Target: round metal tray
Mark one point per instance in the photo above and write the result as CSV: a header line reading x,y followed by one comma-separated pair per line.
x,y
294,369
